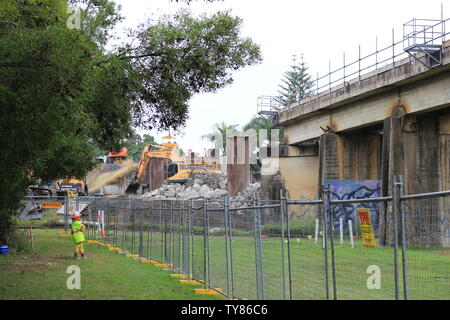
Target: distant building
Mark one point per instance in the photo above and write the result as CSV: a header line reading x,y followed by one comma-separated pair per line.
x,y
117,157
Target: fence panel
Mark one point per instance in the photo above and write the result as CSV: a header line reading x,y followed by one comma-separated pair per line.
x,y
362,271
243,254
427,248
307,253
217,249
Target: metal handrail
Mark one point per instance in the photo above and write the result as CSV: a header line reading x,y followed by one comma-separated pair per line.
x,y
324,91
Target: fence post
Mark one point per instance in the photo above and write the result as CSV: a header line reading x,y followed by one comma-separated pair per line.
x,y
333,262
66,213
396,200
225,216
150,226
230,231
207,251
282,246
257,251
283,203
325,239
172,235
261,262
400,187
116,221
141,232
191,227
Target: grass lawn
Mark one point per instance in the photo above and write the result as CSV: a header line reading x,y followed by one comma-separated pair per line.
x,y
105,275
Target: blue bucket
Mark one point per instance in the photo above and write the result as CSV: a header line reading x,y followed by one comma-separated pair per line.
x,y
3,250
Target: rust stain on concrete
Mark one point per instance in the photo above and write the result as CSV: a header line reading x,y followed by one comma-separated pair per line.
x,y
398,109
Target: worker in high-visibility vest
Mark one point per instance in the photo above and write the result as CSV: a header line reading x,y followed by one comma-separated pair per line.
x,y
77,235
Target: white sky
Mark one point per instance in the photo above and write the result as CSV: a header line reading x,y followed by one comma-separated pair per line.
x,y
321,29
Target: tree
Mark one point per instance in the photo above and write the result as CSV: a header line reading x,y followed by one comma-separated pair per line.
x,y
220,132
63,95
295,83
136,144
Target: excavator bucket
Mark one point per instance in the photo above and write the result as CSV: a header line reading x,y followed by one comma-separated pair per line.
x,y
132,188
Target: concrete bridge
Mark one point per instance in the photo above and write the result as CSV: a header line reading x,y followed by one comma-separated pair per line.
x,y
394,120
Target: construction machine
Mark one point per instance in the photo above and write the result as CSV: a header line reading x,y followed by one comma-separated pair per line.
x,y
182,172
164,164
161,155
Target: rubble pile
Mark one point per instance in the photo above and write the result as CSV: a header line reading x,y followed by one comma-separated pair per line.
x,y
208,186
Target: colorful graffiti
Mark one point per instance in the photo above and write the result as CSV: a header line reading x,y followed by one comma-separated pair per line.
x,y
354,189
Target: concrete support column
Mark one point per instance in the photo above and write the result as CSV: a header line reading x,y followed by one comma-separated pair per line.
x,y
419,150
238,164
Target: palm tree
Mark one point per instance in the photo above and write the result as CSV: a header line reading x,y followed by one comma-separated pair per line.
x,y
220,130
258,123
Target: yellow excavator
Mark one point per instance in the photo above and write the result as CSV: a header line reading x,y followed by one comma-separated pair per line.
x,y
176,169
181,172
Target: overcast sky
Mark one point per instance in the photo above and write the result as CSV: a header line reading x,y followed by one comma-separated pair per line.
x,y
321,29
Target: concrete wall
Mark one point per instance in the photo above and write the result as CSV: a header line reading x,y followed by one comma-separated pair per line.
x,y
297,175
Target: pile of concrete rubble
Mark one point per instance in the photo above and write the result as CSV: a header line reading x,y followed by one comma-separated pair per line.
x,y
208,186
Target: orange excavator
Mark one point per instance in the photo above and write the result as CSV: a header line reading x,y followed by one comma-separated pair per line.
x,y
167,150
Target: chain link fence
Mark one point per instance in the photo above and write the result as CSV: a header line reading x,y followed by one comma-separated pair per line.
x,y
290,249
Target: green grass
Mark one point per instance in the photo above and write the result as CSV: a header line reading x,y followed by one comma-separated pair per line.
x,y
428,269
50,219
41,274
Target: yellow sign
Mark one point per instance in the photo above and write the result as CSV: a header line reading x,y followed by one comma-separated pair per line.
x,y
71,193
51,205
365,224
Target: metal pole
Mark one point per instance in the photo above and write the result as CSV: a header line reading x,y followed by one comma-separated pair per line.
x,y
209,249
396,199
284,204
344,69
403,233
124,228
172,236
141,232
66,213
359,62
261,262
333,261
225,205
325,231
230,230
116,226
204,242
150,232
393,49
256,250
350,228
191,232
376,53
161,229
282,247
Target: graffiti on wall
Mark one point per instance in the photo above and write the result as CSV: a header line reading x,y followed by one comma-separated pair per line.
x,y
354,189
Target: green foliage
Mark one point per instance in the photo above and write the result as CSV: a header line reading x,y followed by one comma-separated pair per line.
x,y
136,143
295,83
